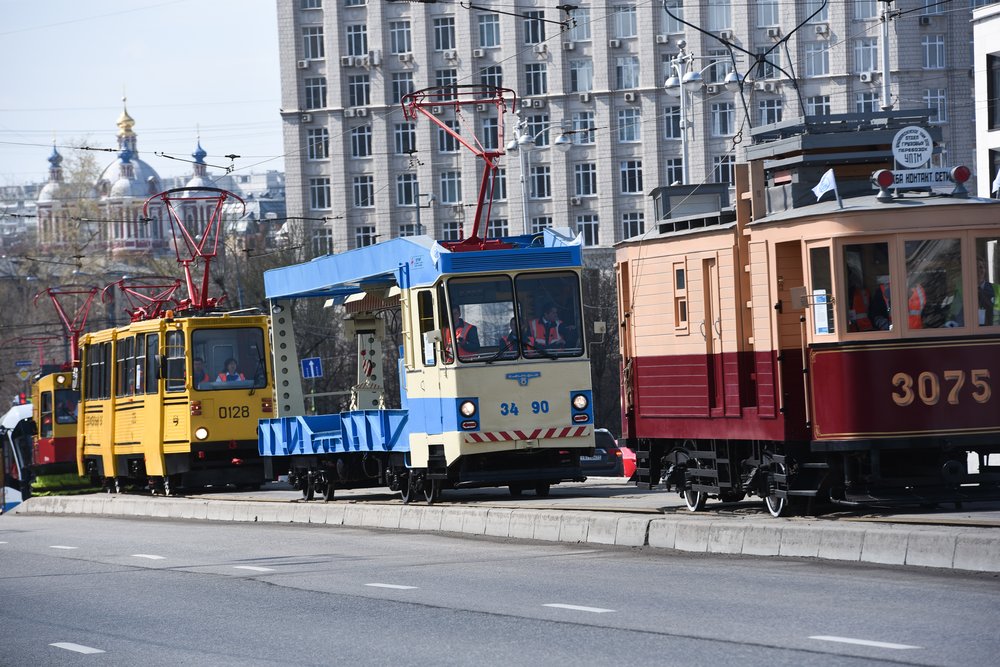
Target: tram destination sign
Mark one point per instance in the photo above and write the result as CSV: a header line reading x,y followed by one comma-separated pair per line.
x,y
921,178
912,147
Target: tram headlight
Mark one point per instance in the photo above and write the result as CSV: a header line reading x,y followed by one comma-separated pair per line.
x,y
201,433
467,408
580,402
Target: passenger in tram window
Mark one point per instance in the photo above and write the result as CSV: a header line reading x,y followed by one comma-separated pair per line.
x,y
880,311
199,373
858,307
545,332
511,341
989,296
466,335
230,374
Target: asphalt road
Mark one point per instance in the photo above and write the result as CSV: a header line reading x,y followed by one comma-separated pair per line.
x,y
193,593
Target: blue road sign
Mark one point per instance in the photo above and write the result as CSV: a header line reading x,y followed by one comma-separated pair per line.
x,y
312,368
24,363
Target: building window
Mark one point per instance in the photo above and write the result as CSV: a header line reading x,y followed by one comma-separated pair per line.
x,y
581,75
585,177
491,133
491,76
723,119
719,15
623,21
993,92
361,141
312,43
444,33
406,189
721,65
933,46
633,224
631,176
817,59
497,228
770,111
322,241
672,25
364,191
317,143
865,9
580,32
866,102
447,142
674,170
936,100
355,3
400,38
588,226
536,79
866,54
627,72
402,84
936,7
672,123
364,235
358,90
407,229
312,4
315,92
770,67
583,126
534,26
404,138
452,230
489,30
629,126
319,193
446,78
538,128
451,187
723,169
537,224
357,40
818,105
824,11
767,13
540,181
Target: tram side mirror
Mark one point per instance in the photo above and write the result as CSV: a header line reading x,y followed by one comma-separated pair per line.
x,y
799,298
430,339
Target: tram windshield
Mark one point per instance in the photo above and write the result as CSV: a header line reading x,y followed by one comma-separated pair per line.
x,y
228,359
534,316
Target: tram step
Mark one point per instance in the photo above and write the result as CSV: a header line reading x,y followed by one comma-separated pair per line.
x,y
819,465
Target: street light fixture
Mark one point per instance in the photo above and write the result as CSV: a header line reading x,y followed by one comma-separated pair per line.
x,y
682,81
431,198
526,141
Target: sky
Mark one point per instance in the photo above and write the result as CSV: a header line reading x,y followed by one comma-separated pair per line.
x,y
187,68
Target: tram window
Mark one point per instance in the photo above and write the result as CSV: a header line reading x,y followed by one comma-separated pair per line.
x,y
96,380
821,284
45,413
866,292
175,360
481,311
542,298
125,367
988,281
680,296
152,362
425,311
67,402
934,283
219,348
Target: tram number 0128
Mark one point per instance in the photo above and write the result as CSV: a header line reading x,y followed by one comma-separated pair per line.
x,y
234,412
929,387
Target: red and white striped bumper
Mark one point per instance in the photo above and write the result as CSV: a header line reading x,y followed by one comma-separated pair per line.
x,y
537,434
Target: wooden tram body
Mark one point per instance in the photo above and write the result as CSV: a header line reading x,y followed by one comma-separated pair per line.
x,y
756,360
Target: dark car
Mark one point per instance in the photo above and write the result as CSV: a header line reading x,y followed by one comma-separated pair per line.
x,y
608,457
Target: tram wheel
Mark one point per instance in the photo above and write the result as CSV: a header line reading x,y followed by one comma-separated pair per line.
x,y
776,505
432,490
328,490
542,490
693,500
308,490
405,489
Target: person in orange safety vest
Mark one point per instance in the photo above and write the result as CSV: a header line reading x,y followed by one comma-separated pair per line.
x,y
857,315
545,332
915,306
467,336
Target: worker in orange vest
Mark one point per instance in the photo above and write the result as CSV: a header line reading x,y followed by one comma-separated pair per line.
x,y
465,334
915,306
545,332
857,315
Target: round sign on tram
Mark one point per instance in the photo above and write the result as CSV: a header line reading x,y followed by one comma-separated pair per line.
x,y
912,147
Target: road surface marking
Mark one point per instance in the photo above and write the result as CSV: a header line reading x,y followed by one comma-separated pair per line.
x,y
573,607
59,546
394,586
861,642
149,556
78,648
252,568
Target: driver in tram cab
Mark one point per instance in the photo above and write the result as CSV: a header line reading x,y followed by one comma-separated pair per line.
x,y
465,335
547,332
230,374
858,307
199,373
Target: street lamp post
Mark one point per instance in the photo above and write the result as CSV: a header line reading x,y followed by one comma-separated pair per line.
x,y
522,142
416,199
683,80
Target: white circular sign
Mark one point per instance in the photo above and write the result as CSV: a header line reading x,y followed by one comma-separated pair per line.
x,y
912,147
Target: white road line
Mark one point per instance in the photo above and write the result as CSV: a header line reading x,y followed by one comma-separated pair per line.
x,y
397,587
573,607
59,546
252,568
149,556
861,642
78,648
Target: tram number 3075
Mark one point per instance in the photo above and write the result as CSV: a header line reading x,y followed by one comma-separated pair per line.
x,y
927,387
234,412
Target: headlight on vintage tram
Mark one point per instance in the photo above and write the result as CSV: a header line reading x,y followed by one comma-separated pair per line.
x,y
60,379
467,408
580,402
201,433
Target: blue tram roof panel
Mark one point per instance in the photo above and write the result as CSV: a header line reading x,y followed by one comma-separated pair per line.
x,y
415,261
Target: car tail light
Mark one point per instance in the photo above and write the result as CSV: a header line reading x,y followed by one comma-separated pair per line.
x,y
618,453
201,456
237,462
232,444
195,408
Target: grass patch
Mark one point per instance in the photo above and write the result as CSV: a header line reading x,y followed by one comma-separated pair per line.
x,y
65,484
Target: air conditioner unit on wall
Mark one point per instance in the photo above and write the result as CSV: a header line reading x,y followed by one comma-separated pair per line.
x,y
347,61
538,104
541,48
482,107
306,118
925,20
362,61
575,201
405,57
569,46
630,97
437,110
662,39
584,97
822,29
361,112
302,64
774,32
614,43
525,103
350,113
375,58
725,34
712,89
866,77
450,54
478,53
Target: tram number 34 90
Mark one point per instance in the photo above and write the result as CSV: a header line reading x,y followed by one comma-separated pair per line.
x,y
927,386
234,412
512,409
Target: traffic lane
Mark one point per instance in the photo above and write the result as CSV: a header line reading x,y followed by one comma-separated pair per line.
x,y
799,601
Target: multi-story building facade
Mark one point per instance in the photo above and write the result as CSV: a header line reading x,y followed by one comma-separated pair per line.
x,y
358,171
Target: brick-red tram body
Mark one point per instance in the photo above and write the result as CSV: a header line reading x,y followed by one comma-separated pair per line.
x,y
844,351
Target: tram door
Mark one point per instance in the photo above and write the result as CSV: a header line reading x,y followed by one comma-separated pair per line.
x,y
789,274
712,331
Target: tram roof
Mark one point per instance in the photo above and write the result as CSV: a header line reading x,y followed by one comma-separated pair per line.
x,y
413,261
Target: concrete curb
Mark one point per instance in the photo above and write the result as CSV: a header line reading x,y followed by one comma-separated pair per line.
x,y
960,548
